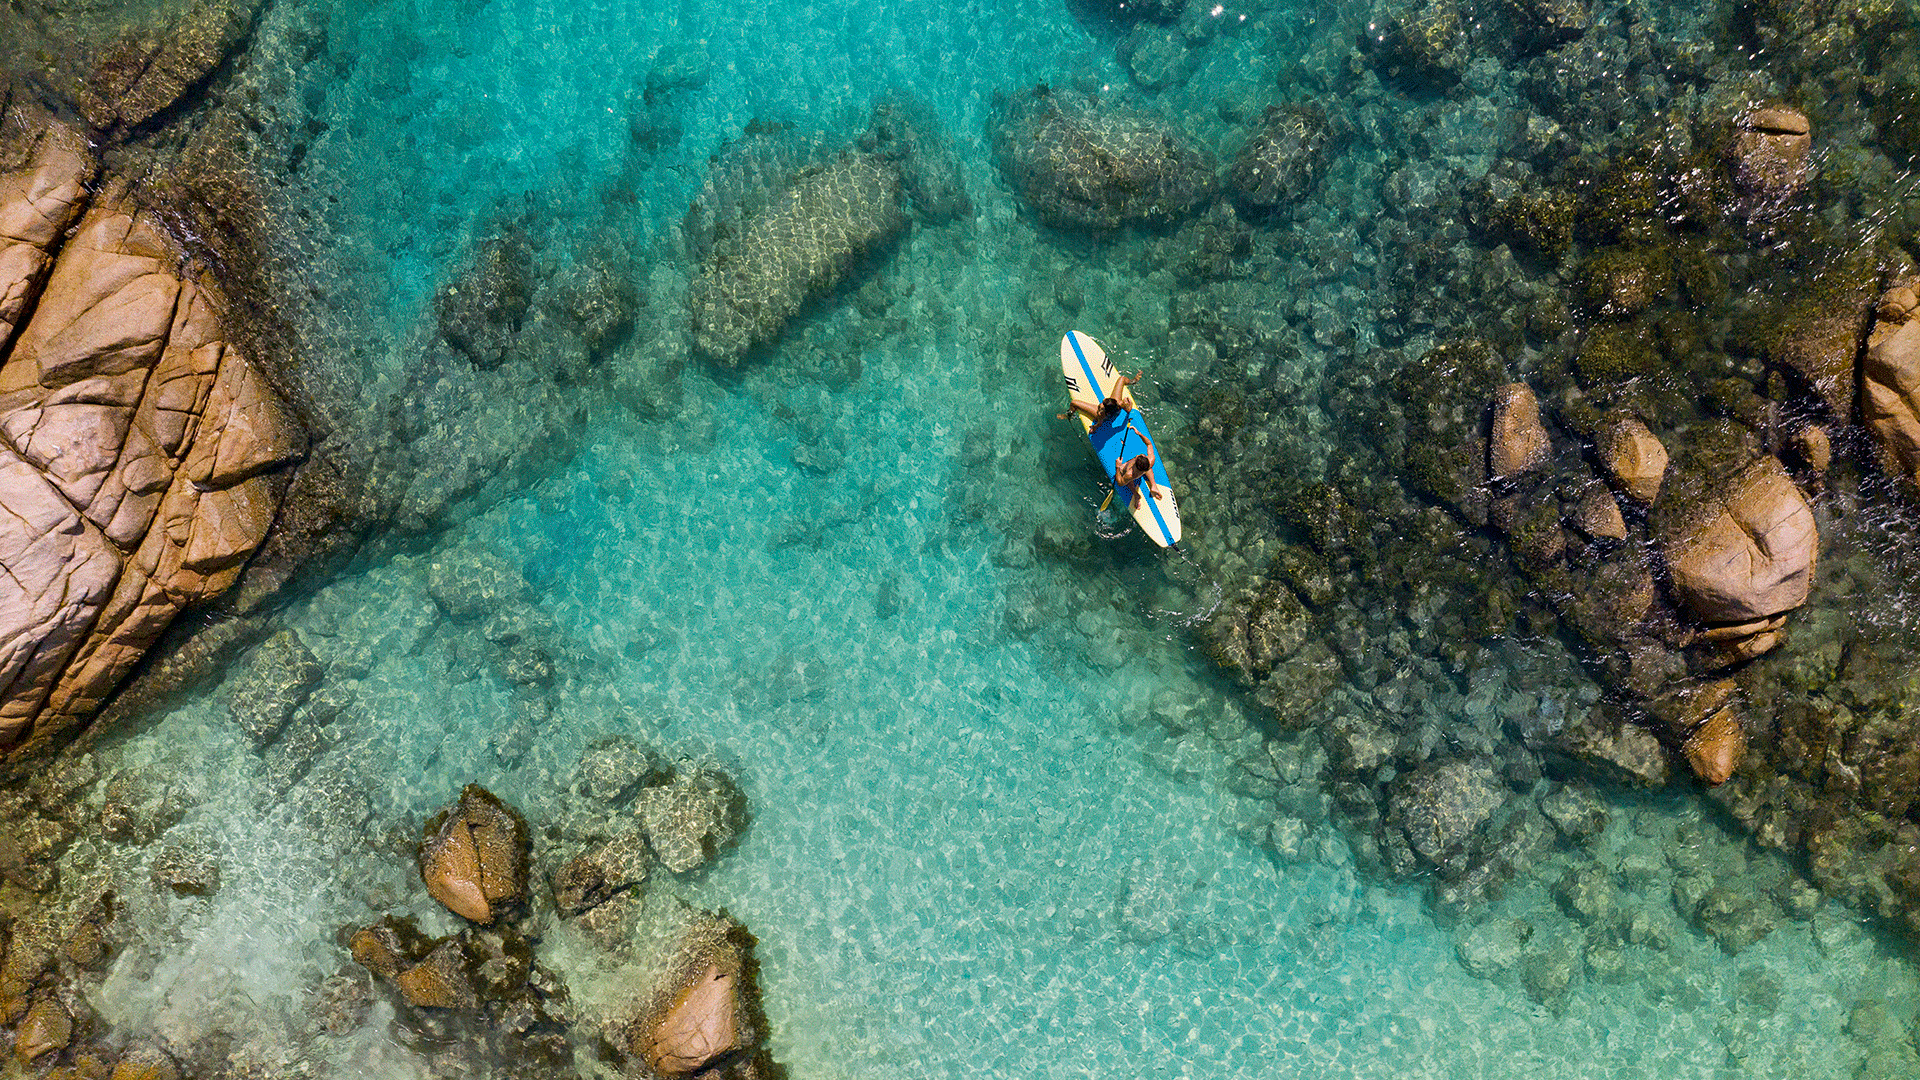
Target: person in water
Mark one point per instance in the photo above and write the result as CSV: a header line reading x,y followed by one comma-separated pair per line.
x,y
1140,466
1119,402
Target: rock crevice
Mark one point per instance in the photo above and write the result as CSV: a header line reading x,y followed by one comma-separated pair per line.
x,y
142,456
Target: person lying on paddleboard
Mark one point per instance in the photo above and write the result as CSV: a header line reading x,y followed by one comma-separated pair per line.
x,y
1121,400
1140,465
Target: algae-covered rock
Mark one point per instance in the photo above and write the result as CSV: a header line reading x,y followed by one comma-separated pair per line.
x,y
692,817
1086,164
1282,159
1538,25
1538,221
1417,45
481,308
1441,807
1609,748
758,276
149,70
1771,154
1444,395
1614,353
48,1027
1622,282
475,857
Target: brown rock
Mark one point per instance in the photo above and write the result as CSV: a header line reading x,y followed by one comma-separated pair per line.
x,y
474,859
1736,631
1634,458
140,457
36,206
698,1027
1890,384
440,981
1813,447
1771,156
388,946
1518,442
146,1063
706,1010
1751,554
1715,748
1598,516
46,1029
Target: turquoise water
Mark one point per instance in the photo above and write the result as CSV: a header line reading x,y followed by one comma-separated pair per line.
x,y
997,825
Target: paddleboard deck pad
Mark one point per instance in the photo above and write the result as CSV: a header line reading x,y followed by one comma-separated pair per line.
x,y
1090,377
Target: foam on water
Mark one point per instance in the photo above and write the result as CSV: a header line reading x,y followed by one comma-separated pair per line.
x,y
972,852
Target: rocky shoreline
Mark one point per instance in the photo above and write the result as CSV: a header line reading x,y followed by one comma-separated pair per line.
x,y
1619,378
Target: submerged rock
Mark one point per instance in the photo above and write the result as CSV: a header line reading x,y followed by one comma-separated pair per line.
x,y
1538,25
691,818
475,857
47,1028
1491,949
481,308
149,70
1441,807
1281,161
1419,45
281,675
149,1062
1771,155
759,276
1082,164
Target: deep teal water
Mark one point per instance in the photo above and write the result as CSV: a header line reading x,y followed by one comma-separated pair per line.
x,y
983,843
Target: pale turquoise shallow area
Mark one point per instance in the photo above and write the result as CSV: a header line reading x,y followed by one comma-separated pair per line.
x,y
974,851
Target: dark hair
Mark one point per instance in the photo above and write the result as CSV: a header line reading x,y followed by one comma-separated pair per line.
x,y
1142,461
1109,408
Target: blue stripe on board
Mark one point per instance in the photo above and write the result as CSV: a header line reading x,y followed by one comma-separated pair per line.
x,y
1073,338
1157,519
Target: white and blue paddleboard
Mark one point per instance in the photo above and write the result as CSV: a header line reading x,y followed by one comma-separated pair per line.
x,y
1090,378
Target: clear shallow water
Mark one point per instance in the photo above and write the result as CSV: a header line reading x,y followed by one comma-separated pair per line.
x,y
975,851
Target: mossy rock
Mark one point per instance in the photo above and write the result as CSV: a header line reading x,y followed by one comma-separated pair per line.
x,y
1318,512
1445,395
1612,354
1537,539
1622,282
1623,201
1537,221
1703,277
